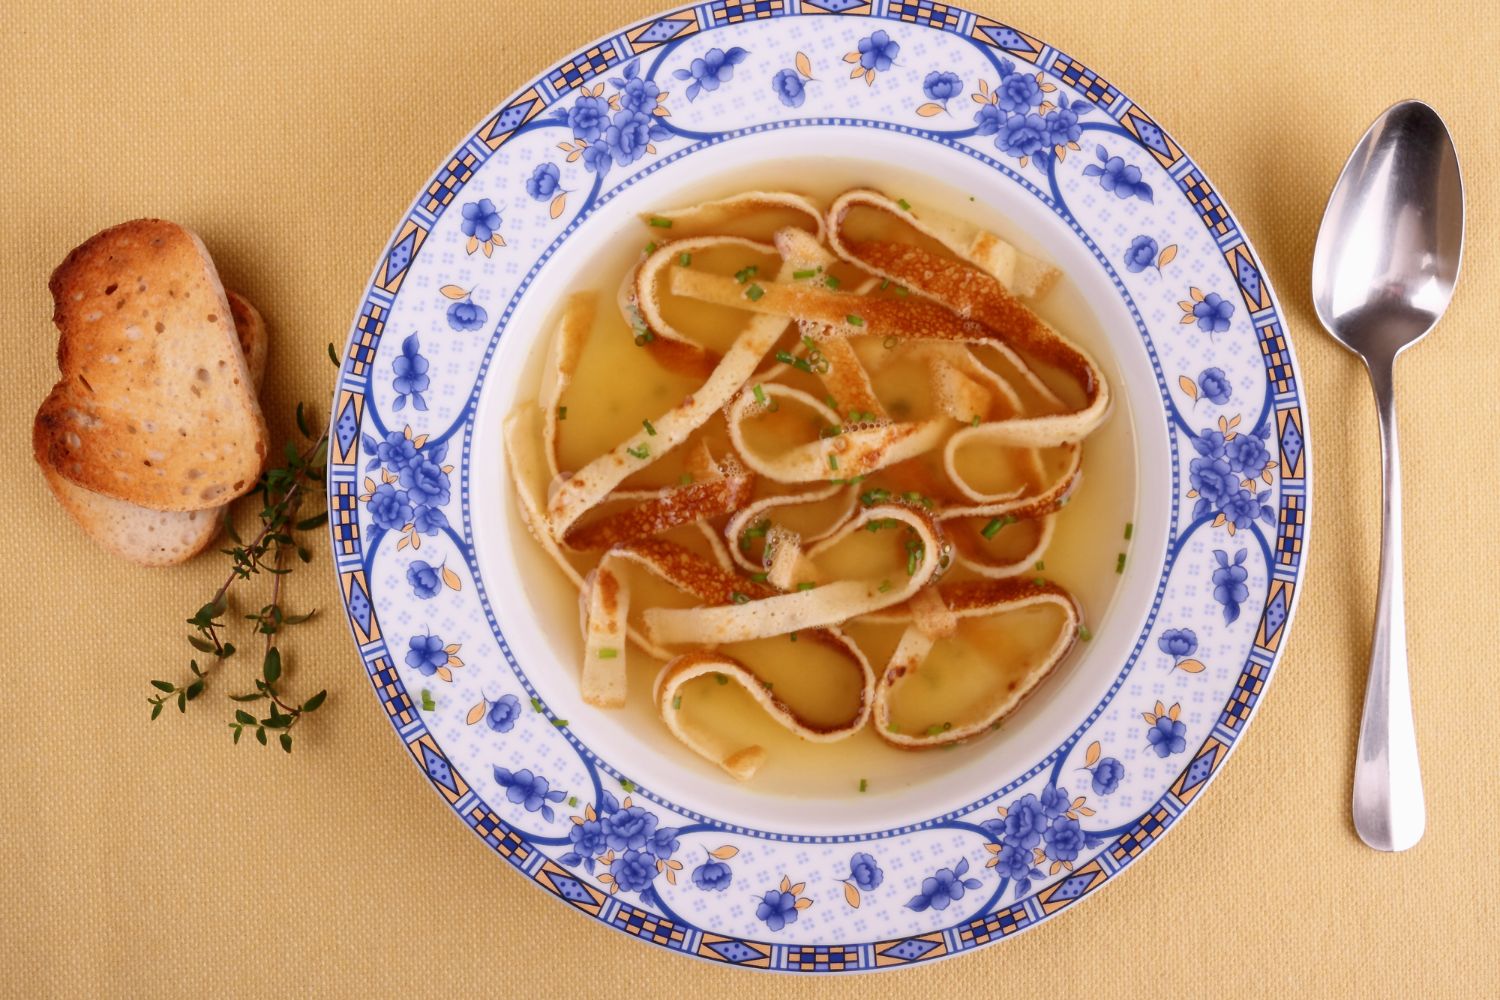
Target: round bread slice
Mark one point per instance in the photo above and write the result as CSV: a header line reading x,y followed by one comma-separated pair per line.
x,y
155,405
156,537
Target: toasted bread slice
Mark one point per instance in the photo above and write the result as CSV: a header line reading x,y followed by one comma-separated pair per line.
x,y
155,537
155,405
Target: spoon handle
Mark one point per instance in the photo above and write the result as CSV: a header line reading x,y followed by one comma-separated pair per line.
x,y
1389,812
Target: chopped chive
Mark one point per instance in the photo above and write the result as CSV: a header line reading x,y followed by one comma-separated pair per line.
x,y
536,704
1040,565
912,496
885,586
863,784
871,497
627,784
754,292
806,585
901,290
686,479
890,342
720,678
739,598
833,461
684,259
808,273
651,247
759,577
560,723
1038,581
833,404
1084,633
677,702
793,636
891,727
759,528
1120,563
760,394
573,801
640,452
854,320
831,281
885,283
562,414
649,429
608,652
831,431
428,704
905,205
744,274
642,339
1129,529
975,421
661,223
993,528
934,729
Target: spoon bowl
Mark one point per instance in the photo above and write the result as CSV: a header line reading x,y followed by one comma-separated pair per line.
x,y
1391,243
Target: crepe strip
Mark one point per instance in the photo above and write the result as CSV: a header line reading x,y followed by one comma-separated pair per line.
x,y
973,599
567,347
977,294
743,761
765,510
824,604
859,450
588,486
664,510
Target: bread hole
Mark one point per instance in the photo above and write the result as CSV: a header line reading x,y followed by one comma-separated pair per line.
x,y
196,390
239,484
260,448
194,474
182,431
132,428
146,462
140,285
213,317
120,303
156,242
161,327
77,296
110,289
73,441
150,426
85,382
92,316
212,492
202,375
133,332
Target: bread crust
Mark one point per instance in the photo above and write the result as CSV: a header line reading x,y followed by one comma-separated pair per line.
x,y
153,537
155,405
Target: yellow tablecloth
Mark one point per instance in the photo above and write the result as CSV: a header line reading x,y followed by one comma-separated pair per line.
x,y
158,859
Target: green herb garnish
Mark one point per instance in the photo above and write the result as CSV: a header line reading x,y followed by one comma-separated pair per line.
x,y
608,652
744,274
684,259
854,320
739,598
641,452
863,784
661,223
799,275
1120,563
1129,529
650,431
754,292
806,585
428,704
905,205
677,703
1084,633
283,491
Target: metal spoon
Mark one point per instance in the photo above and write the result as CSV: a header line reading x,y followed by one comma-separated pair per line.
x,y
1383,272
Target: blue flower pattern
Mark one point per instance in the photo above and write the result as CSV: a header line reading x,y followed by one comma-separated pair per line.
x,y
714,67
1021,114
1119,178
1047,827
943,887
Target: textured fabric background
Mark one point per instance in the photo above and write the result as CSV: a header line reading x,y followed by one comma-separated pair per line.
x,y
157,859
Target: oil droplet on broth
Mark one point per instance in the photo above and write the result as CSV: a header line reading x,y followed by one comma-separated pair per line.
x,y
618,385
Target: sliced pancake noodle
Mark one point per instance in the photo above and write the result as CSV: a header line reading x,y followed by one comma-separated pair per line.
x,y
846,417
989,691
672,691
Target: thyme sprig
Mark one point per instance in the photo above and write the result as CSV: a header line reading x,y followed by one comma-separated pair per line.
x,y
283,491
